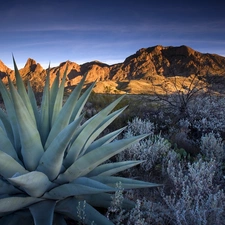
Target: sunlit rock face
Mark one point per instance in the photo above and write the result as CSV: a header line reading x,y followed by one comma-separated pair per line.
x,y
155,63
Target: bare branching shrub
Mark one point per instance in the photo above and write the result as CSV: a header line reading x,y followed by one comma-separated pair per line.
x,y
177,92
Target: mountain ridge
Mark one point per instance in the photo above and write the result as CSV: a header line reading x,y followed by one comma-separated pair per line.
x,y
146,64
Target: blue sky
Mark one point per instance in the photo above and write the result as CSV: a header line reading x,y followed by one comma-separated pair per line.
x,y
108,31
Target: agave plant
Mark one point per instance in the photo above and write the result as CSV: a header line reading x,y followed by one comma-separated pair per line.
x,y
51,161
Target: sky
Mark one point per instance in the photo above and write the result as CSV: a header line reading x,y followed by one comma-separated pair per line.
x,y
51,32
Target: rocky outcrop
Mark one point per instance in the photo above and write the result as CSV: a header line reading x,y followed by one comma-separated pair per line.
x,y
146,64
169,61
5,71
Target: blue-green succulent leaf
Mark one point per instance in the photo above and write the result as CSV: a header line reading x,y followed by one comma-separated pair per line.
x,y
51,161
108,120
43,212
126,183
33,102
7,188
45,121
86,163
81,186
11,116
105,200
91,126
59,219
81,102
6,145
31,145
109,169
22,91
15,203
64,115
53,92
20,217
59,98
104,140
6,126
33,183
9,166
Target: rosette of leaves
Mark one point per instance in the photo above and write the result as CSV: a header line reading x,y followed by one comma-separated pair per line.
x,y
51,161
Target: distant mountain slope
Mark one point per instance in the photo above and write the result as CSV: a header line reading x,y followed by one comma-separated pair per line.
x,y
145,65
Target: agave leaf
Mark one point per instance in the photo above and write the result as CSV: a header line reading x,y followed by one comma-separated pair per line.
x,y
109,169
59,98
90,127
5,124
7,188
53,92
9,166
108,120
6,145
31,150
11,115
43,212
11,204
30,181
69,207
81,102
51,161
19,217
104,140
89,161
126,183
45,122
105,200
81,186
22,91
59,219
33,102
65,114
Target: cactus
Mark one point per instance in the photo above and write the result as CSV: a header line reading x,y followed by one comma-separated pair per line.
x,y
51,161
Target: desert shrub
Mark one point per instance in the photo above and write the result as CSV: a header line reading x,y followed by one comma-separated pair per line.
x,y
147,212
203,114
139,126
192,191
206,114
115,211
150,150
194,196
212,147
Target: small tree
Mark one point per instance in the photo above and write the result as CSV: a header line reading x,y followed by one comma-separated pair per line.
x,y
177,92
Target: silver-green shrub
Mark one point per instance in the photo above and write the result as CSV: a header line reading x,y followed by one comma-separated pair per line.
x,y
150,150
212,147
206,114
194,197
